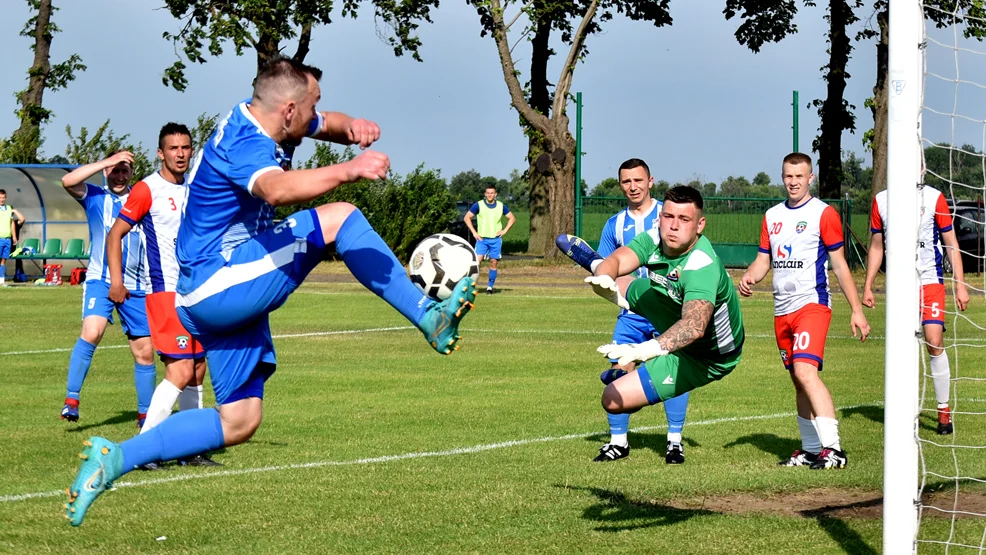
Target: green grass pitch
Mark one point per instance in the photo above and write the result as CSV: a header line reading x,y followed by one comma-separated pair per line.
x,y
372,443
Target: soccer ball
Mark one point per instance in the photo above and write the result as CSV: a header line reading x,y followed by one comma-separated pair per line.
x,y
439,262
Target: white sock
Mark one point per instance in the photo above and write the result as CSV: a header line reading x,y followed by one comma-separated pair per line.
x,y
190,398
593,265
2,278
809,436
940,376
163,400
828,432
619,439
674,437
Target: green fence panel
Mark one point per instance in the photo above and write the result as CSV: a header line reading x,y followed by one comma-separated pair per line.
x,y
733,225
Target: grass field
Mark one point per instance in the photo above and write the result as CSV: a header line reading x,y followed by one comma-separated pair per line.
x,y
373,443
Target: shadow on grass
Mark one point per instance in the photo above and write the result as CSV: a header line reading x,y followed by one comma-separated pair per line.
x,y
873,413
657,443
120,418
617,513
780,447
848,539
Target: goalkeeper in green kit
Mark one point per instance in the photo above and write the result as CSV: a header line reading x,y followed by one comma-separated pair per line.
x,y
687,296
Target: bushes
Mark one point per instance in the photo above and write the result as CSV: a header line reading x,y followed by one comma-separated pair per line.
x,y
403,210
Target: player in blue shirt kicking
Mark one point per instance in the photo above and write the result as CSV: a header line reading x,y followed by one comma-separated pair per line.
x,y
640,216
237,266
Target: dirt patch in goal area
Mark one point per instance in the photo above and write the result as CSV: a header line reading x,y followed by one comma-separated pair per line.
x,y
831,503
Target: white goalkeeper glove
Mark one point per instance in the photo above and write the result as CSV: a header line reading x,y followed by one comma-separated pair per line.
x,y
634,352
605,287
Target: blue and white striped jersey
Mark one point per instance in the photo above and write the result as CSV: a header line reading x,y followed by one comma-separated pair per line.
x,y
622,227
102,207
221,212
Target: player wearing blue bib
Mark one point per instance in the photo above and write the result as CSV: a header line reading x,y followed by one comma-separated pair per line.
x,y
236,266
641,215
102,205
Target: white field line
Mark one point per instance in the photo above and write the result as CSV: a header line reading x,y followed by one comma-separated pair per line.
x,y
475,330
405,456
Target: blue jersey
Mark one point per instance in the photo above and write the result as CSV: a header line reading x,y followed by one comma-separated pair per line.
x,y
102,207
221,212
621,228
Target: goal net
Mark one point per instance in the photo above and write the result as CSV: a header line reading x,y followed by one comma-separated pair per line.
x,y
935,485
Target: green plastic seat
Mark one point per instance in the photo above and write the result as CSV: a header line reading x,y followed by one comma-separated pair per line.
x,y
52,249
74,249
33,243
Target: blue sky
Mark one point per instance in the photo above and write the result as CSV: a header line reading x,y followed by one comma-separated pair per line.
x,y
686,98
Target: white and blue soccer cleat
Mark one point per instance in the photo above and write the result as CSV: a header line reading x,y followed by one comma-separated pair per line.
x,y
579,251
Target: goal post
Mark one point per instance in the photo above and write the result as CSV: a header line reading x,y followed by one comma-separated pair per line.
x,y
901,373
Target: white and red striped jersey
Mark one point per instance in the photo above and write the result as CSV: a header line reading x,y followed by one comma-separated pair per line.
x,y
156,205
936,219
798,241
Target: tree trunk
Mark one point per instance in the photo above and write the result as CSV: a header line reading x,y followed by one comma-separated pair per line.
x,y
834,114
32,115
541,240
879,107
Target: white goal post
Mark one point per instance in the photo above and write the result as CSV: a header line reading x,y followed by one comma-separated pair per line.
x,y
901,378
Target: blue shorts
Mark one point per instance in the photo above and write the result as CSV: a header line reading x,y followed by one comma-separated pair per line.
x,y
632,328
490,248
228,313
133,311
5,245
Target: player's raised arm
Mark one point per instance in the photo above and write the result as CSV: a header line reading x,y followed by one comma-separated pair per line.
x,y
279,188
341,129
622,262
75,181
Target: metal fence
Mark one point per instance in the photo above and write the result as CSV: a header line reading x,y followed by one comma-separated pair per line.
x,y
732,224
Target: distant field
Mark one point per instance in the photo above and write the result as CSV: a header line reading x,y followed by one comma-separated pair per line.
x,y
372,443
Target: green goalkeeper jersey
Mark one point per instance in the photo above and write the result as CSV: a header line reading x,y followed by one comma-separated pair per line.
x,y
672,281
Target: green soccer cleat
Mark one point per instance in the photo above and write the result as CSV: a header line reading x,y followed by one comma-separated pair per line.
x,y
441,323
102,462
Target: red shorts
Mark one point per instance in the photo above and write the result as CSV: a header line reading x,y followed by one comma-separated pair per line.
x,y
933,304
801,335
167,333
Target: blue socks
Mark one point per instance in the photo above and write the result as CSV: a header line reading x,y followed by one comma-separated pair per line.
x,y
374,265
145,379
492,278
675,408
78,367
183,434
618,423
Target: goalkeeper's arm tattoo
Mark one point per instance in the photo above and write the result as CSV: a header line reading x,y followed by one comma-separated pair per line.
x,y
695,317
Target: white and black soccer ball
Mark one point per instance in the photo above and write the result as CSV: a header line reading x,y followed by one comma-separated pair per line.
x,y
439,262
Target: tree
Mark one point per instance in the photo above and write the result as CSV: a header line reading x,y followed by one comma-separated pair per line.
x,y
209,26
734,187
467,186
517,191
957,172
609,187
204,126
24,144
967,15
771,21
542,106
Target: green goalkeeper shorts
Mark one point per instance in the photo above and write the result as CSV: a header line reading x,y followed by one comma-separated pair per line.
x,y
676,373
